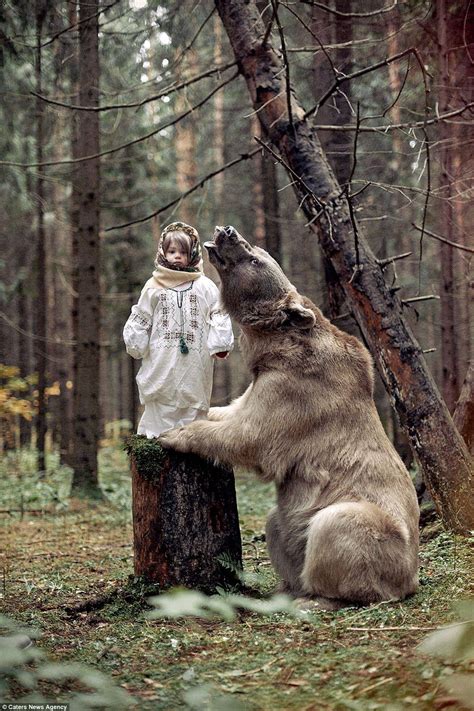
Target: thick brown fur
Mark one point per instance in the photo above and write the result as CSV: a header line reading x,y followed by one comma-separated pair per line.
x,y
345,527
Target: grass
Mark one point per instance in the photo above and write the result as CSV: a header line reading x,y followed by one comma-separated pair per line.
x,y
57,552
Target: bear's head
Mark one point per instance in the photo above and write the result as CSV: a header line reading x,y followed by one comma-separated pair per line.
x,y
255,290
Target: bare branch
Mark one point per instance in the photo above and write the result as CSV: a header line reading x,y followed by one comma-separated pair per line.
x,y
194,38
413,299
244,156
360,72
34,336
354,15
389,260
165,92
313,34
456,245
79,22
130,143
394,126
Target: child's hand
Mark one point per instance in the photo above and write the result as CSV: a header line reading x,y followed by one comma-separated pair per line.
x,y
222,354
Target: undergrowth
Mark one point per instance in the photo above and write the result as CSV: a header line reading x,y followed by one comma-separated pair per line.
x,y
63,561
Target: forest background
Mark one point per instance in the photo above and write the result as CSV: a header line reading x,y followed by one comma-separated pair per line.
x,y
119,118
123,115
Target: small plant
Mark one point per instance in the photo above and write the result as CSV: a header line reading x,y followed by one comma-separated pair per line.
x,y
24,667
192,603
455,643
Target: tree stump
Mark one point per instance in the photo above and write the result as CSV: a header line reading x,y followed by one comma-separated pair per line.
x,y
185,520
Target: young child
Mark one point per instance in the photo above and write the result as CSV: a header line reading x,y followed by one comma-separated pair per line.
x,y
177,327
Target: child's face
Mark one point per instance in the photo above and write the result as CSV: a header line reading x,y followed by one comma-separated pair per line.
x,y
176,255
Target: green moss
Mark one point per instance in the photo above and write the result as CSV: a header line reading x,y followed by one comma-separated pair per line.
x,y
148,454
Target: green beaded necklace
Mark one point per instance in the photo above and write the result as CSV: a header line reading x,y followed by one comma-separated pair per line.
x,y
183,346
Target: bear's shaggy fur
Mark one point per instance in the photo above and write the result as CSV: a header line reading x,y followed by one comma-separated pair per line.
x,y
345,527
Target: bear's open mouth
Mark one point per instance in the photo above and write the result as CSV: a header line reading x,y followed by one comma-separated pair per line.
x,y
212,246
213,252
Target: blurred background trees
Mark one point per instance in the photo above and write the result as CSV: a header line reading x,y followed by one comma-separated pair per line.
x,y
65,262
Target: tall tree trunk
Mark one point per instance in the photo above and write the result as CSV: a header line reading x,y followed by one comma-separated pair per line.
x,y
449,320
269,185
185,146
267,210
258,220
271,207
68,445
442,453
41,301
87,415
221,386
60,281
462,81
336,143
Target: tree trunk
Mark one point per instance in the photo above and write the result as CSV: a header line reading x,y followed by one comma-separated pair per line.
x,y
464,414
41,296
61,308
442,453
185,147
449,313
185,519
87,354
337,144
221,386
68,445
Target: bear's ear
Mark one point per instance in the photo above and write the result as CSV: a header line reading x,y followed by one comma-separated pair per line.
x,y
297,314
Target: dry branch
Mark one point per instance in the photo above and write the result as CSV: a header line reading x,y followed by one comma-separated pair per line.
x,y
170,89
196,186
456,245
161,127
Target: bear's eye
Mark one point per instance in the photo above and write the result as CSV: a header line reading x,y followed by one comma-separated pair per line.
x,y
254,261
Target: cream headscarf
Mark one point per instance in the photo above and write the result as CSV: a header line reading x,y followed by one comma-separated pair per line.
x,y
167,275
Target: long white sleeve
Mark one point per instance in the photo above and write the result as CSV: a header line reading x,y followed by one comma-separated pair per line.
x,y
220,337
136,332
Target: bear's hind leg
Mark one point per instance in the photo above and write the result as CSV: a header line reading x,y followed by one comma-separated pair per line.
x,y
356,552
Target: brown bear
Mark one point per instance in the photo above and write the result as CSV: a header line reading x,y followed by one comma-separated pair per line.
x,y
345,527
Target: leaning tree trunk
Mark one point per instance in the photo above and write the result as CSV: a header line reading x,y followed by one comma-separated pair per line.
x,y
441,451
185,520
87,352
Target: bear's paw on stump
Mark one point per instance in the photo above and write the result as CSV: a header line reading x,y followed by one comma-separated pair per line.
x,y
185,519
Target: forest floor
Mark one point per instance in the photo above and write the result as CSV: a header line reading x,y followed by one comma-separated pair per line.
x,y
61,552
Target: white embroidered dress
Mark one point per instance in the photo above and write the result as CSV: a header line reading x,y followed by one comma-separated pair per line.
x,y
175,387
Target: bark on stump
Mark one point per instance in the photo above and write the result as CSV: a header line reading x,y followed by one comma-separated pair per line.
x,y
185,520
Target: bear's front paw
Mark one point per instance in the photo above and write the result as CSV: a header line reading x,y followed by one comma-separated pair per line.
x,y
178,439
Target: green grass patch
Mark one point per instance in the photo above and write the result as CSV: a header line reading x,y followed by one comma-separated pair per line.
x,y
59,553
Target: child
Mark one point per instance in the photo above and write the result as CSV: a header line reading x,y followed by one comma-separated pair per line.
x,y
176,328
